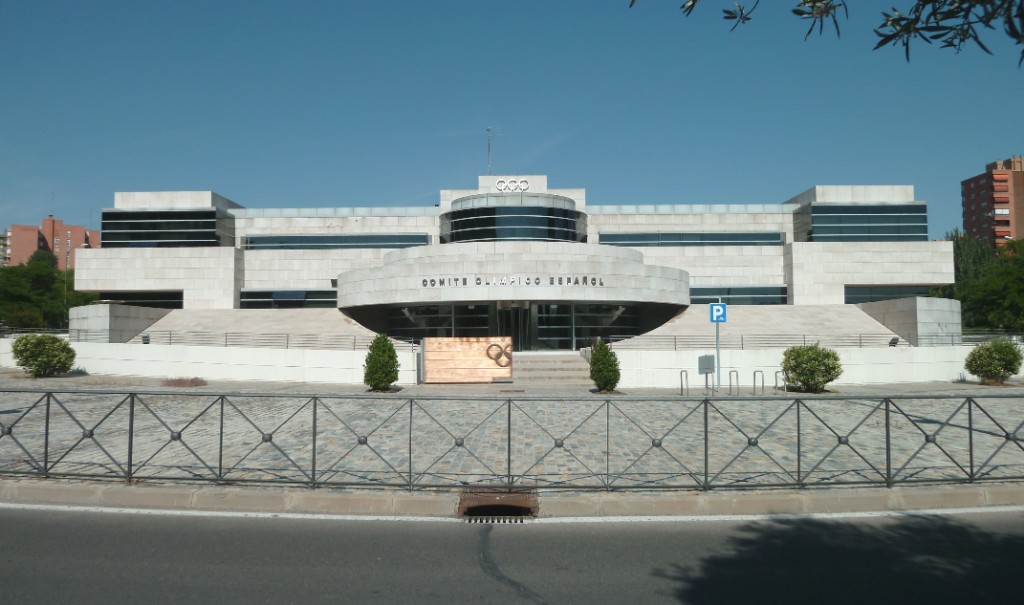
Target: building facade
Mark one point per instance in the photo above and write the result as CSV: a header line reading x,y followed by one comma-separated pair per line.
x,y
994,200
20,242
514,257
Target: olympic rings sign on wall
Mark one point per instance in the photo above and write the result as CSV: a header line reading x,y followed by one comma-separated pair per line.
x,y
512,185
500,354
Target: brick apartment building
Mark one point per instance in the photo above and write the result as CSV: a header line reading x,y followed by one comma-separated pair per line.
x,y
21,241
994,200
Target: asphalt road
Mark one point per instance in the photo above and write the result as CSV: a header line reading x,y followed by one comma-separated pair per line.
x,y
72,557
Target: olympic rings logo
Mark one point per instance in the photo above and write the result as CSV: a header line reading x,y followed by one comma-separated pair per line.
x,y
499,354
512,185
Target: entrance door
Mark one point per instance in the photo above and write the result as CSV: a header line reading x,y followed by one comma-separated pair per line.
x,y
515,322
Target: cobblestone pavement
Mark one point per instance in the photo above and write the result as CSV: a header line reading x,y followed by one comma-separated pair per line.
x,y
427,436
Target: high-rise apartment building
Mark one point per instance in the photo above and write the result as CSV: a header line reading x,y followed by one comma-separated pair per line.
x,y
21,241
994,200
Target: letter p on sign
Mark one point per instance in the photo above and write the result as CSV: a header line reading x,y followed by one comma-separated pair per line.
x,y
717,313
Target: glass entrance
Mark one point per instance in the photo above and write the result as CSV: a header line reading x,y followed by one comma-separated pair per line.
x,y
533,326
515,322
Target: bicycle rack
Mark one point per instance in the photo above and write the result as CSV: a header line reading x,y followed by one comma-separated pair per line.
x,y
737,373
785,387
684,383
753,383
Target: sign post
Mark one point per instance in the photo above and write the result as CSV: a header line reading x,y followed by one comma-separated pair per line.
x,y
717,312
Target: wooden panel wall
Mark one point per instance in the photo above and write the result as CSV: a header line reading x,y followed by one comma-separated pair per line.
x,y
476,359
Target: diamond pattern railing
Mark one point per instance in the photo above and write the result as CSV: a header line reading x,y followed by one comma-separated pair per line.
x,y
540,443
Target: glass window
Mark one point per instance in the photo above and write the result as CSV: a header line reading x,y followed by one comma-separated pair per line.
x,y
513,223
420,321
323,242
472,320
163,299
869,222
869,209
766,238
284,299
739,295
862,294
166,228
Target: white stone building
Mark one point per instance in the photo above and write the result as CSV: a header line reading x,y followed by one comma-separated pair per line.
x,y
514,257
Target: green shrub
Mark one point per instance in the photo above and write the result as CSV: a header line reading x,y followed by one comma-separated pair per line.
x,y
810,368
43,354
381,368
994,361
604,367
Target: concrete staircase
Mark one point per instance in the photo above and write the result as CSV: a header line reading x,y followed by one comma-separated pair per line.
x,y
561,368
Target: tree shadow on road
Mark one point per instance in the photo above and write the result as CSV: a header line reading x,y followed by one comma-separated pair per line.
x,y
908,561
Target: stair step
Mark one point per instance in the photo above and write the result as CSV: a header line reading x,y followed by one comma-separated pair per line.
x,y
567,369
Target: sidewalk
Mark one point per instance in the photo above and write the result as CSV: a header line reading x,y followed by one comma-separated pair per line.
x,y
12,378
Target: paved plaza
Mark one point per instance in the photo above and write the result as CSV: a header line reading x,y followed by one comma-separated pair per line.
x,y
490,435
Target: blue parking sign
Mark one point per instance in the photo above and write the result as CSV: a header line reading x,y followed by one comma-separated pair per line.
x,y
717,311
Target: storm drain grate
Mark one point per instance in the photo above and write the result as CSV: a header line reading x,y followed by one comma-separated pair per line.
x,y
498,506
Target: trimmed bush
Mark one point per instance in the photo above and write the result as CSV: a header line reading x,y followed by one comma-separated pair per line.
x,y
810,368
43,354
994,361
604,367
381,368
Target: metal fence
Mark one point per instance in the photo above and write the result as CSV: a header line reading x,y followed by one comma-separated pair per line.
x,y
234,339
967,338
6,332
429,442
686,342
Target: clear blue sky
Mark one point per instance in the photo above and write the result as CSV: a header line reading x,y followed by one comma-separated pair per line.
x,y
280,104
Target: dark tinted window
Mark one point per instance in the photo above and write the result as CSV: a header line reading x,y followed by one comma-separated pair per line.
x,y
513,223
765,238
869,223
285,299
862,294
739,295
166,228
169,299
322,242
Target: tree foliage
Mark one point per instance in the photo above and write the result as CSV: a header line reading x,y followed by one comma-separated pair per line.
x,y
604,367
32,295
994,361
380,370
43,354
971,256
953,24
995,297
43,256
809,368
989,283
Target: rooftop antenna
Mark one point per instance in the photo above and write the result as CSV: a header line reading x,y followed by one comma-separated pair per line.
x,y
490,135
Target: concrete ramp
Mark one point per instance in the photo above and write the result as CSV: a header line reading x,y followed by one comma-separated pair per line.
x,y
767,326
280,328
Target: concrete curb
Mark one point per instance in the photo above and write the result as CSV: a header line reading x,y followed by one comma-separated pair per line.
x,y
783,501
228,498
444,504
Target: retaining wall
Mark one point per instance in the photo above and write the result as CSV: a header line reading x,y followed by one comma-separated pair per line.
x,y
224,363
877,365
